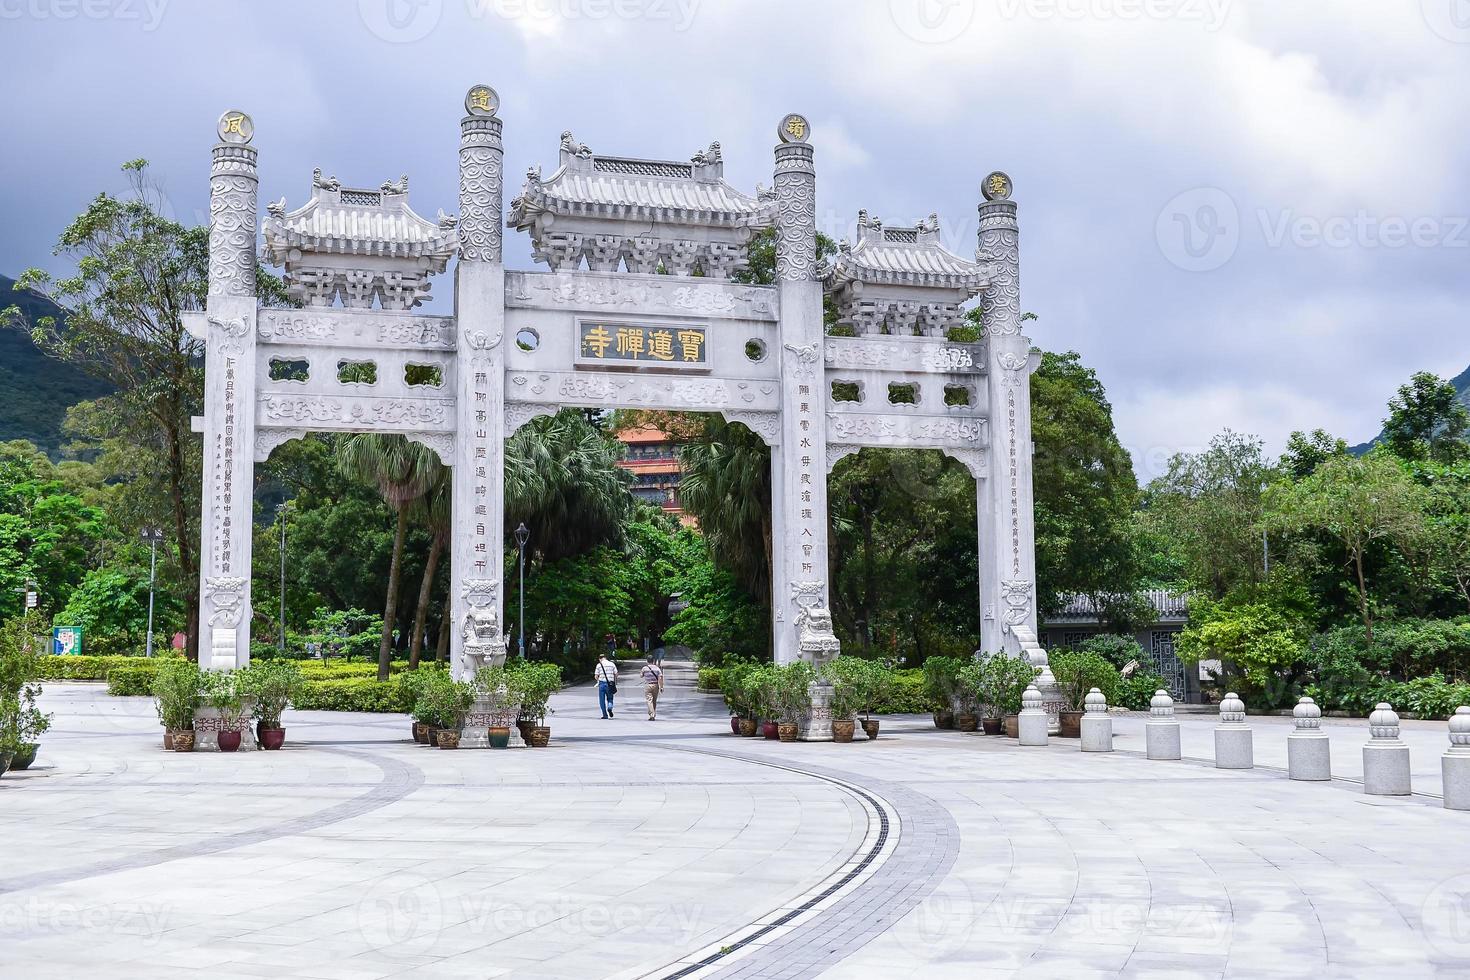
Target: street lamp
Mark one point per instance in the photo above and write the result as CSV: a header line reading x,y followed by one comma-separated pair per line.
x,y
523,533
281,516
152,536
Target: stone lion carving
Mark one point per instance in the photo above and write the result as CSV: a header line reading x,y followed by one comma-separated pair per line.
x,y
328,184
570,145
484,644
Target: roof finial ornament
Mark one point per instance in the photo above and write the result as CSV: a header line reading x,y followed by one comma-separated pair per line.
x,y
329,184
704,158
570,146
388,187
447,221
276,209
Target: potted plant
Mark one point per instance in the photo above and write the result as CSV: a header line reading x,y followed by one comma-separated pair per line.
x,y
941,680
445,701
973,682
408,683
861,683
749,696
846,676
21,723
537,682
222,693
880,686
1008,678
792,698
732,687
272,684
1077,672
766,691
503,688
178,688
30,725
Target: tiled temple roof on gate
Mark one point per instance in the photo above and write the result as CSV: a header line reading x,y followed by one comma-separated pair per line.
x,y
668,191
903,257
1168,606
358,221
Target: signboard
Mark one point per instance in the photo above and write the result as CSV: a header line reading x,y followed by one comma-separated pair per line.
x,y
621,343
66,640
32,600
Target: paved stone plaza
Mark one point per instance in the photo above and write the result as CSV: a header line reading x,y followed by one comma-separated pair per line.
x,y
634,849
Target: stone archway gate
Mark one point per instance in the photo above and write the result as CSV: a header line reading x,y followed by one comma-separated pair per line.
x,y
652,321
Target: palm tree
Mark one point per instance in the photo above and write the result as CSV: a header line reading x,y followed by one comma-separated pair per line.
x,y
434,510
727,487
403,472
563,481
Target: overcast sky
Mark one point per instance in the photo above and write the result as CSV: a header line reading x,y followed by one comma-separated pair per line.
x,y
1243,214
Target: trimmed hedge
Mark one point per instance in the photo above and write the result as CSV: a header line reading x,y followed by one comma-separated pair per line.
x,y
131,681
906,698
89,668
354,694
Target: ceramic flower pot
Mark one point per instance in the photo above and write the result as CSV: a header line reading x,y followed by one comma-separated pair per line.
x,y
184,740
24,757
842,730
538,736
748,727
943,718
992,726
1012,726
870,728
229,741
1070,724
770,730
499,737
787,731
449,738
431,735
5,758
735,724
420,732
272,738
967,723
168,740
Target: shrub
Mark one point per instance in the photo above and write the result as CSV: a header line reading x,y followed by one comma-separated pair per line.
x,y
89,668
131,681
709,678
273,684
1079,671
537,681
1116,649
354,694
1137,690
178,689
942,680
862,684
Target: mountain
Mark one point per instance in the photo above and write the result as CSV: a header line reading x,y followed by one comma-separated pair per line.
x,y
36,390
1462,385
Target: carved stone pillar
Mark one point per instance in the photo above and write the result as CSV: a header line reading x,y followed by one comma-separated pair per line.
x,y
477,556
1008,562
801,610
229,402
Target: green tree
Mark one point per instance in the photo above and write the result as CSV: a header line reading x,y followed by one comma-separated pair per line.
x,y
1260,644
1304,453
48,536
1356,501
1085,489
1209,505
403,472
1427,421
562,480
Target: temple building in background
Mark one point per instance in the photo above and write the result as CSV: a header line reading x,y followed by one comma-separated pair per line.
x,y
653,458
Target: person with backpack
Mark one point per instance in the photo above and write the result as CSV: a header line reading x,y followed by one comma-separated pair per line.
x,y
606,675
653,685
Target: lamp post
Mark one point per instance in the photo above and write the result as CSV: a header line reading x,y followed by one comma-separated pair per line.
x,y
151,536
523,533
281,517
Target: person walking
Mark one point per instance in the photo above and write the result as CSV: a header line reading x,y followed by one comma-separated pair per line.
x,y
606,675
653,685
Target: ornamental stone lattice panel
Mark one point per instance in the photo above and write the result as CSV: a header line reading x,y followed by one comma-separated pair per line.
x,y
634,308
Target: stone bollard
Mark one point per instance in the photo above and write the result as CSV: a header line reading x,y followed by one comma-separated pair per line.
x,y
1161,731
1308,749
1031,725
1097,727
1455,764
1233,735
1385,758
